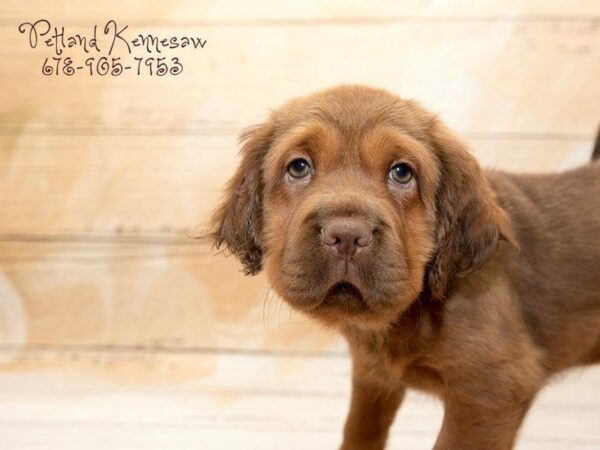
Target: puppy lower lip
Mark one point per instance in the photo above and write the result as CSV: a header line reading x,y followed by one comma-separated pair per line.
x,y
344,288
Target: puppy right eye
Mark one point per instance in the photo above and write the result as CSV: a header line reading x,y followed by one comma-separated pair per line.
x,y
298,168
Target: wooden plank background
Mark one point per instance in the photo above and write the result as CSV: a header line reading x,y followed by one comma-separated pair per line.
x,y
119,331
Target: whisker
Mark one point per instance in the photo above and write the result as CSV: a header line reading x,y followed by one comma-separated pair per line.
x,y
264,305
280,302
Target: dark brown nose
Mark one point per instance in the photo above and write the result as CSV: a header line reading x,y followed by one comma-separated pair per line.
x,y
346,235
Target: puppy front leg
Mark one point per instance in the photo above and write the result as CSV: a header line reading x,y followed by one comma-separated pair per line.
x,y
474,428
372,411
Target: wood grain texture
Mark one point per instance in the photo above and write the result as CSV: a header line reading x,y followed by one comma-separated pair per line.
x,y
168,185
265,11
139,294
478,76
155,401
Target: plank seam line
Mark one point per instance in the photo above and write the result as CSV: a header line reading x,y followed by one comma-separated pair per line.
x,y
89,131
158,349
137,239
336,21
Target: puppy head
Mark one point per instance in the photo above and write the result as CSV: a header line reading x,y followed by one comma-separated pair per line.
x,y
355,202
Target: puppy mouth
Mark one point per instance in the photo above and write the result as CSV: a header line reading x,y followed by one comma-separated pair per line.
x,y
345,295
344,288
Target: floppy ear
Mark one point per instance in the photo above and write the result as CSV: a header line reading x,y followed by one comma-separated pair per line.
x,y
237,222
469,221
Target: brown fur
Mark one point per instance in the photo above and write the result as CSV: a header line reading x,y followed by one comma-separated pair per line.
x,y
476,286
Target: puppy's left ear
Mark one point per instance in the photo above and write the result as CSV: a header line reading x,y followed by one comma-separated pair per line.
x,y
469,221
237,222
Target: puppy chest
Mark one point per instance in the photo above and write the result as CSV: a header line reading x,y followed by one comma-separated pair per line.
x,y
391,369
423,378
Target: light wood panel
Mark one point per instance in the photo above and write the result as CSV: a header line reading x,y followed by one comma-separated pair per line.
x,y
223,12
140,294
237,401
168,185
478,76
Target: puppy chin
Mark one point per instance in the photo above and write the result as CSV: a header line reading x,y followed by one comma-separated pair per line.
x,y
372,288
345,302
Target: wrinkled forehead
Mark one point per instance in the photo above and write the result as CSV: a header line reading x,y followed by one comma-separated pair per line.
x,y
361,141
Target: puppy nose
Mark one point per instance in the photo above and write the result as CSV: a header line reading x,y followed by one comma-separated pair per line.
x,y
346,235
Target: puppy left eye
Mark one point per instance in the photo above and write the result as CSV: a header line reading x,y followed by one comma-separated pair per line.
x,y
401,173
298,168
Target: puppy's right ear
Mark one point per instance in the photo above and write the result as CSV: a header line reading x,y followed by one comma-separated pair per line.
x,y
237,222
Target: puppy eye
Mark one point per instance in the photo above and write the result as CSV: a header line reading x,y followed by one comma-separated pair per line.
x,y
298,168
401,173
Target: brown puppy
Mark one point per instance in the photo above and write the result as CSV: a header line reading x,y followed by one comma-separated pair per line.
x,y
367,213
